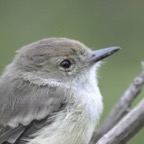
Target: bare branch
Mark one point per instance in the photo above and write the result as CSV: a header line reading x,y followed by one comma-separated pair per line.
x,y
126,128
122,107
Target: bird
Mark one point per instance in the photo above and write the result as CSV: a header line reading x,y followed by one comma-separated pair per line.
x,y
49,93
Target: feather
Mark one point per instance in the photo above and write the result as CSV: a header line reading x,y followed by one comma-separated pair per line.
x,y
24,108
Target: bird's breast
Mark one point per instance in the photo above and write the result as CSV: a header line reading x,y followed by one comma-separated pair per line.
x,y
75,124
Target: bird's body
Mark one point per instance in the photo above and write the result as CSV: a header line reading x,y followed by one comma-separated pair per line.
x,y
75,124
44,100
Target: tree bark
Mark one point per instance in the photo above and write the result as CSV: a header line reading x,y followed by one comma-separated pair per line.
x,y
126,128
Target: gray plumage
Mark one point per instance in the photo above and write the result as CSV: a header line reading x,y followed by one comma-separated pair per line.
x,y
43,102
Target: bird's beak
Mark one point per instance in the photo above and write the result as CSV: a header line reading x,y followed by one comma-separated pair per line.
x,y
98,55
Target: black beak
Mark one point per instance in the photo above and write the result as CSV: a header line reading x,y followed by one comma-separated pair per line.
x,y
98,55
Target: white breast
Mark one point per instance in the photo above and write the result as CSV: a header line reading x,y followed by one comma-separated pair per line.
x,y
76,123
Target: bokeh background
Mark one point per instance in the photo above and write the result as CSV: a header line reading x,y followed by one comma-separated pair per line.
x,y
97,23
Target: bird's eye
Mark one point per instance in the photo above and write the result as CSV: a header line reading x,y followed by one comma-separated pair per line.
x,y
66,64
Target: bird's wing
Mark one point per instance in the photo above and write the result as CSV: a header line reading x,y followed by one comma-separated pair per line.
x,y
24,108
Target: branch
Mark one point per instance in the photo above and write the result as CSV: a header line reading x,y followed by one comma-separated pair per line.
x,y
122,107
126,128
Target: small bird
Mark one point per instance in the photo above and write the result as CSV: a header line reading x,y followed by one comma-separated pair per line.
x,y
49,93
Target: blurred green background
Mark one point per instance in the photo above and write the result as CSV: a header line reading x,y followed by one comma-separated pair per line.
x,y
98,24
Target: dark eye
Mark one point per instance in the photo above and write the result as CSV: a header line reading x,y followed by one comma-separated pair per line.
x,y
65,64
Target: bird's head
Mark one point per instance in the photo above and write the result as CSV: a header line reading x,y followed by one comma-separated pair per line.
x,y
59,58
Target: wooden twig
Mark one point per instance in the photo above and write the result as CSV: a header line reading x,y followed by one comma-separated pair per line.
x,y
122,107
126,128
